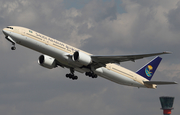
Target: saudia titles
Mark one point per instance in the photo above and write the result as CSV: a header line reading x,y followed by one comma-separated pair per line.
x,y
148,70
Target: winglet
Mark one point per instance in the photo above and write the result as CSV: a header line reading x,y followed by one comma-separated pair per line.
x,y
166,52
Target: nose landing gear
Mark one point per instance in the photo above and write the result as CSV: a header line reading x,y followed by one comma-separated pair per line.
x,y
13,47
12,41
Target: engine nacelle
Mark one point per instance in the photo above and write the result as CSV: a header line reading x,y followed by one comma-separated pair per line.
x,y
82,58
47,61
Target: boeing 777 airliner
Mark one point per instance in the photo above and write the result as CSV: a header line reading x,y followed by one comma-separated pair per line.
x,y
56,53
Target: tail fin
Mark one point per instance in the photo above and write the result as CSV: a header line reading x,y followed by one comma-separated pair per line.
x,y
148,70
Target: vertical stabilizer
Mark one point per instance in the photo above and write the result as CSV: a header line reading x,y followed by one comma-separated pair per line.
x,y
148,70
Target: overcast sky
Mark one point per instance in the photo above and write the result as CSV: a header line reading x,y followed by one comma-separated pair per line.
x,y
100,27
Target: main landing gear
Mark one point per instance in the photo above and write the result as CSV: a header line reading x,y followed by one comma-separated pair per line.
x,y
91,74
71,75
74,77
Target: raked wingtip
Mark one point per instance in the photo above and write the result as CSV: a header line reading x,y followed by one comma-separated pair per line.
x,y
167,52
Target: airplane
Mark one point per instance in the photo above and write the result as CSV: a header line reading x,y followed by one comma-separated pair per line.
x,y
56,53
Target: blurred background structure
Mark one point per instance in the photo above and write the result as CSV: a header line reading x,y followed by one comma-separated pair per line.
x,y
166,103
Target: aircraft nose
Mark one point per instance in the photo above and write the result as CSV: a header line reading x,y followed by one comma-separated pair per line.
x,y
5,32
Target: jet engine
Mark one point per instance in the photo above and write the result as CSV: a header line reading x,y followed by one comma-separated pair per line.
x,y
82,58
47,61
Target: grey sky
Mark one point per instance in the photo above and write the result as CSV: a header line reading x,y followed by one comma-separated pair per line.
x,y
101,27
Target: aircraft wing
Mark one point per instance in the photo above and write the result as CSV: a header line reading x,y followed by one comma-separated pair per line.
x,y
103,60
160,82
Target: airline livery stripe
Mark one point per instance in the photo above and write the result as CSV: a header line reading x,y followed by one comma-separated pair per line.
x,y
34,36
59,46
122,72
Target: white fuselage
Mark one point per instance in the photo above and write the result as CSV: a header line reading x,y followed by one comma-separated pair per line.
x,y
61,51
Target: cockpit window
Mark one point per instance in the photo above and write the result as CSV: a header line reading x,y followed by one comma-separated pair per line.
x,y
10,27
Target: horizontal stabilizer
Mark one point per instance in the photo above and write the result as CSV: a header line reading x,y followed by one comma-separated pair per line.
x,y
160,82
